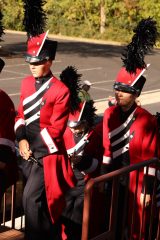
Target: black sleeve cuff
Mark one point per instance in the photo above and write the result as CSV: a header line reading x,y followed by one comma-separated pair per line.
x,y
21,133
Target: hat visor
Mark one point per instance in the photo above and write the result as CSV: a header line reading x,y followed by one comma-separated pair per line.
x,y
35,59
124,88
73,124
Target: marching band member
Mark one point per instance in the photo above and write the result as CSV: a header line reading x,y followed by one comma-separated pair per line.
x,y
83,141
129,131
41,121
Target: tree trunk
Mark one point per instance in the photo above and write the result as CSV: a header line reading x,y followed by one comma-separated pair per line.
x,y
102,16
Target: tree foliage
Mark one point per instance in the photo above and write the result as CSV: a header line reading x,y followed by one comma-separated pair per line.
x,y
73,17
83,17
13,14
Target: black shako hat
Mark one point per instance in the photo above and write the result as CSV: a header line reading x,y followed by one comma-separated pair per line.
x,y
39,48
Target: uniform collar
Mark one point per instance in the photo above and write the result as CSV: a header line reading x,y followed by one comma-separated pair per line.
x,y
42,80
125,115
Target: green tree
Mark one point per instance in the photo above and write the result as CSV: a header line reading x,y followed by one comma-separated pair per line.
x,y
13,14
78,17
102,16
102,19
150,9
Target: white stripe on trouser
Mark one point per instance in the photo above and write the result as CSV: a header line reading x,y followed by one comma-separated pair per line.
x,y
151,171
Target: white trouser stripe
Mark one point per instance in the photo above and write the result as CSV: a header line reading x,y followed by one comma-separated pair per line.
x,y
151,171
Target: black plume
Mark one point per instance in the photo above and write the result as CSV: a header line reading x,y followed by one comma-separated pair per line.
x,y
2,63
34,17
89,113
71,79
142,42
1,26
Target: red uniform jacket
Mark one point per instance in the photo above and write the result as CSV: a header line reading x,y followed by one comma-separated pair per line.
x,y
137,136
42,117
7,139
89,145
142,134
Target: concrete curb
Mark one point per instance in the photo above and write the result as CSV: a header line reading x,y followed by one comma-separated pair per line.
x,y
89,40
80,39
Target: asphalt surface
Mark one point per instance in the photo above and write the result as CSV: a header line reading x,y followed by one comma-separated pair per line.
x,y
98,62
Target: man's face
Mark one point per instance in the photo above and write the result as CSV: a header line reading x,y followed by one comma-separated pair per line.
x,y
125,100
40,69
86,87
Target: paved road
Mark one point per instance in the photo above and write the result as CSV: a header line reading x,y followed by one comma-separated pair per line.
x,y
97,62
